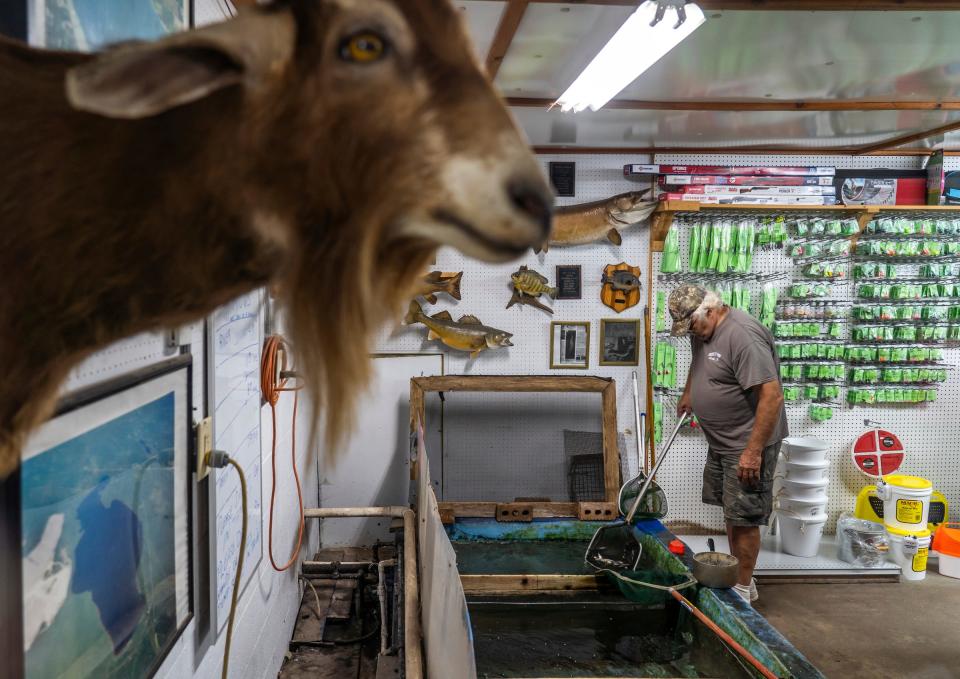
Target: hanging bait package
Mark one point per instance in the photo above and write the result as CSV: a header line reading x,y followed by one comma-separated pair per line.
x,y
768,305
661,311
670,263
696,246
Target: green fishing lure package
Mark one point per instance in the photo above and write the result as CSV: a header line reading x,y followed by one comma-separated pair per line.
x,y
803,228
890,395
819,413
670,262
908,226
664,366
907,248
723,245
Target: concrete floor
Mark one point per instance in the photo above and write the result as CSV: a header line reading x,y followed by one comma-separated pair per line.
x,y
881,631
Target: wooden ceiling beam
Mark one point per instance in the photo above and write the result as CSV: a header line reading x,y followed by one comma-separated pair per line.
x,y
817,105
506,29
891,144
738,150
794,5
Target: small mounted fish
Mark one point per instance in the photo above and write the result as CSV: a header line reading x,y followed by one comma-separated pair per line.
x,y
528,285
467,334
589,222
621,286
435,282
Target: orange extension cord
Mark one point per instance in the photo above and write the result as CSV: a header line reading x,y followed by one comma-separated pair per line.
x,y
272,386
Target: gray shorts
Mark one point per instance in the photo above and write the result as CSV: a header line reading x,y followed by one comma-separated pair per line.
x,y
744,504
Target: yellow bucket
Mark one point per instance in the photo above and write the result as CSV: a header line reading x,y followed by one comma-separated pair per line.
x,y
906,501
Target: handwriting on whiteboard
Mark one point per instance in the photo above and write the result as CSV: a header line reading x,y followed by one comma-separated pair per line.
x,y
235,344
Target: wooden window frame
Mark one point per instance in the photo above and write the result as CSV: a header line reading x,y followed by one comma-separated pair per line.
x,y
528,510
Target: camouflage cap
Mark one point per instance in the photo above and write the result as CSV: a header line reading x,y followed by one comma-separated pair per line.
x,y
682,303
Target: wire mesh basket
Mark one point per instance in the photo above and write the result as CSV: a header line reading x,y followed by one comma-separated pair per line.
x,y
586,478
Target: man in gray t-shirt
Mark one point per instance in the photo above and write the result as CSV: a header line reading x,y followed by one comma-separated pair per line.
x,y
734,389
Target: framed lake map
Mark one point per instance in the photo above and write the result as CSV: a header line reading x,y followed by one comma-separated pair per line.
x,y
89,25
105,528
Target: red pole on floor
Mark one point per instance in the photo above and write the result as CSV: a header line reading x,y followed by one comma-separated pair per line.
x,y
723,635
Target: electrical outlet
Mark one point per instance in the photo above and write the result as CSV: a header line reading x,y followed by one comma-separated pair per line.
x,y
204,446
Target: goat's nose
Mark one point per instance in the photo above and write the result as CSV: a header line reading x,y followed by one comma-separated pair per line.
x,y
534,202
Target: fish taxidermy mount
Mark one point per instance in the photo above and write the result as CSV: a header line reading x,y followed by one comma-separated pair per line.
x,y
438,281
467,334
621,286
528,285
590,222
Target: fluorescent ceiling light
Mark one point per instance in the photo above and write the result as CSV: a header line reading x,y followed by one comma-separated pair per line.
x,y
634,48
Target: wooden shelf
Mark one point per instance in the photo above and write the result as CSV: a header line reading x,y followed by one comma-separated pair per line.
x,y
662,218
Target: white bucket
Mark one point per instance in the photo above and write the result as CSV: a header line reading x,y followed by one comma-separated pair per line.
x,y
910,552
906,501
949,566
810,473
805,490
801,537
802,509
805,450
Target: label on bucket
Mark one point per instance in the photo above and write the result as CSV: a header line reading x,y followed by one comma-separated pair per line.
x,y
920,560
909,511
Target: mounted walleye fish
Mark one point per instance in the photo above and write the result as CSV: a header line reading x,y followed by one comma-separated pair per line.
x,y
589,222
434,282
528,285
467,334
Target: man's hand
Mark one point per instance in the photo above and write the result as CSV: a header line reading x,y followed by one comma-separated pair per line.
x,y
683,405
748,471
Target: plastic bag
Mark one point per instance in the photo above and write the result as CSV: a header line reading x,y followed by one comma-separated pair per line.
x,y
860,542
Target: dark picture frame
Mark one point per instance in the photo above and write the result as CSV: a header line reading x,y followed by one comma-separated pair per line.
x,y
563,177
570,345
103,563
619,342
569,281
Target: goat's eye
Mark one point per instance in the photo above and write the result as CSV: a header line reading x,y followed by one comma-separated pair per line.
x,y
363,48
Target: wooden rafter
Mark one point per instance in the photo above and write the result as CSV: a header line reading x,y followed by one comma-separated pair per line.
x,y
818,105
522,509
891,144
738,150
506,29
795,5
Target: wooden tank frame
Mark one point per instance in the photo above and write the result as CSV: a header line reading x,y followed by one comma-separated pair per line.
x,y
526,511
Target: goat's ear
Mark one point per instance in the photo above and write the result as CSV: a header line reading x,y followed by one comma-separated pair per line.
x,y
144,79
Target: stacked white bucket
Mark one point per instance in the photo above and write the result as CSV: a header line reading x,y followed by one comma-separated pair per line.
x,y
802,500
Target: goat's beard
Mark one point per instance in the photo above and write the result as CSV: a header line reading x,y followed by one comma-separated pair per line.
x,y
338,296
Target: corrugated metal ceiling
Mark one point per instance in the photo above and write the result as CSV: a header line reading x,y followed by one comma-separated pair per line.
x,y
743,56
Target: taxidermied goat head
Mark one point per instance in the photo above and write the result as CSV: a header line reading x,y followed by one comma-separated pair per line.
x,y
326,147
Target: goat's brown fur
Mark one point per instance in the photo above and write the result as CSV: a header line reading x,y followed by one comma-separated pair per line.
x,y
112,227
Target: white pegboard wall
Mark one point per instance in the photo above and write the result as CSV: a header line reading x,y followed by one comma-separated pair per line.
x,y
486,289
839,162
931,448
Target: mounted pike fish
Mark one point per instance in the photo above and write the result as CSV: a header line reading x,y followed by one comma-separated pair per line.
x,y
434,282
528,285
467,334
589,222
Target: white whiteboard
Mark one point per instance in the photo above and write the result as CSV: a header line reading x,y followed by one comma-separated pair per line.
x,y
234,342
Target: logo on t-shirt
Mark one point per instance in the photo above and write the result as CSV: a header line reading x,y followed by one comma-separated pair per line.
x,y
714,356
